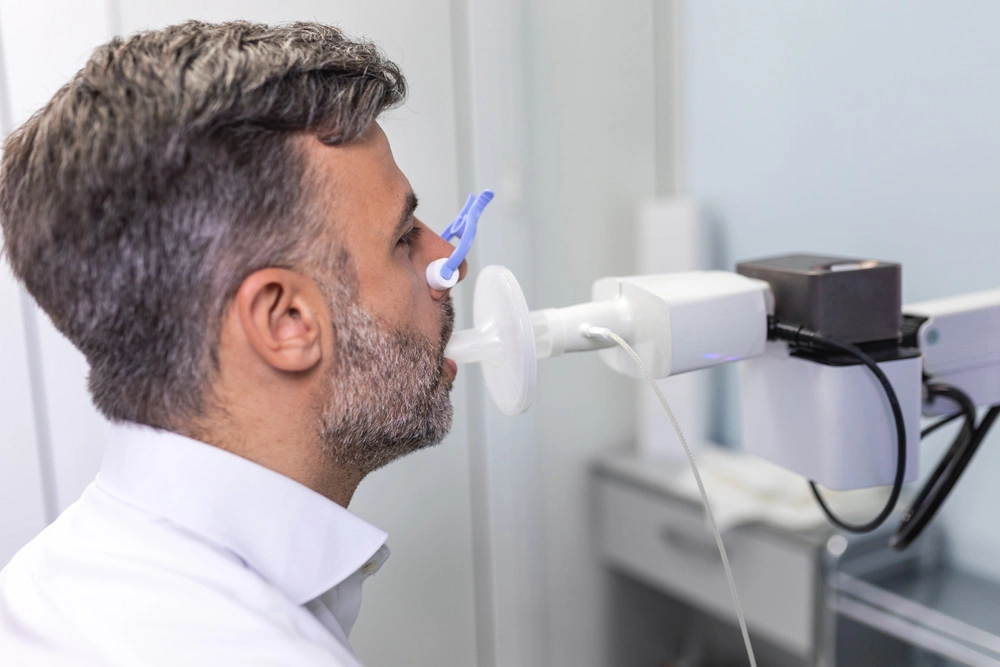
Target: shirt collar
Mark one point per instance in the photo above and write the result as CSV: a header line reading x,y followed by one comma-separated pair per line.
x,y
300,541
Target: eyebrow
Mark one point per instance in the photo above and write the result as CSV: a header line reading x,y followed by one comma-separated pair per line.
x,y
409,206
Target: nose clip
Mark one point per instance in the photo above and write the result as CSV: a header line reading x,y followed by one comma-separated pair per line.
x,y
443,273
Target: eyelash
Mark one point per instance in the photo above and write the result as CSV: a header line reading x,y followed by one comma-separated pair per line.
x,y
410,237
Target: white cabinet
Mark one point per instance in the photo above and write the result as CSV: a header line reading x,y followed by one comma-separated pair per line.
x,y
667,543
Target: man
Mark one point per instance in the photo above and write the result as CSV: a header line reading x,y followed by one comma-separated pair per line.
x,y
211,214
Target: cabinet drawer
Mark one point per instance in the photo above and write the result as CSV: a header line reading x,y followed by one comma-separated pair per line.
x,y
668,544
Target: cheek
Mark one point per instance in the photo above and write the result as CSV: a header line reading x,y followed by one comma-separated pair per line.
x,y
420,311
399,296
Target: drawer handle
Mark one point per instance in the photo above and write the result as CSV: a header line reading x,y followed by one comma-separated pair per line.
x,y
694,545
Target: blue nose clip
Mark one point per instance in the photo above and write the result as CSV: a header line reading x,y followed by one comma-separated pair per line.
x,y
443,273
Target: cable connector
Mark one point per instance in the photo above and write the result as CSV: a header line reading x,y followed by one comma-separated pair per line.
x,y
798,336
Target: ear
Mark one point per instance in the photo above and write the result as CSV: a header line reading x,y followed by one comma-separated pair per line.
x,y
279,312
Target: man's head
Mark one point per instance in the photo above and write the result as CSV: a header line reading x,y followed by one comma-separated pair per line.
x,y
209,205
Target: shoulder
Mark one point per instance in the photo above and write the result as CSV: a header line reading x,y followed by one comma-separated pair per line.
x,y
110,583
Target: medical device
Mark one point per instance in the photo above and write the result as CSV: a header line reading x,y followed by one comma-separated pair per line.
x,y
688,321
834,377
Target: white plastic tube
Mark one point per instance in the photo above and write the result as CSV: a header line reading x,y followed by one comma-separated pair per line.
x,y
561,330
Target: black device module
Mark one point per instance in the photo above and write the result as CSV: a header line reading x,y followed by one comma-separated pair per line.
x,y
857,301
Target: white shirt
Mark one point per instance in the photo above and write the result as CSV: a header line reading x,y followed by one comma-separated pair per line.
x,y
181,553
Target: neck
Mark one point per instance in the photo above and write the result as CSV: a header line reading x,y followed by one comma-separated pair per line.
x,y
289,451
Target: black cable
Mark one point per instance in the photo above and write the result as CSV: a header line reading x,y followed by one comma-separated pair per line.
x,y
908,532
918,517
805,338
967,410
939,424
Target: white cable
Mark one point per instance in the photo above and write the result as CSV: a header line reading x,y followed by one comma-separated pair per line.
x,y
607,333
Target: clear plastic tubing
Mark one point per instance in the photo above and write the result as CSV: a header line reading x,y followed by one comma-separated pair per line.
x,y
604,333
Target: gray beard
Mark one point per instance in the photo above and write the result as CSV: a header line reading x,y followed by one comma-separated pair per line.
x,y
387,397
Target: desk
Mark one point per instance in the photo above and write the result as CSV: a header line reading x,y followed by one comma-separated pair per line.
x,y
811,597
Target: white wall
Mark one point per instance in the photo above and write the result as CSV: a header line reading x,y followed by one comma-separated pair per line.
x,y
562,125
22,496
592,147
860,129
41,49
508,539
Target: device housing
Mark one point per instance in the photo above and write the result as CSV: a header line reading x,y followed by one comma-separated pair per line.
x,y
960,339
688,321
830,421
818,411
853,300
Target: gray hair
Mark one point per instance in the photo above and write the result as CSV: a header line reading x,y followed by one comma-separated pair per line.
x,y
135,203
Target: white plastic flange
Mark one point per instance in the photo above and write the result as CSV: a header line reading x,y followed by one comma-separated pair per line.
x,y
434,278
501,340
500,306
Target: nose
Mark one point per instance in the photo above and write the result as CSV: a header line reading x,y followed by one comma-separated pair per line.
x,y
434,248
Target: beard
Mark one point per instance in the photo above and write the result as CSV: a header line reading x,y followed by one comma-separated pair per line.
x,y
387,393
